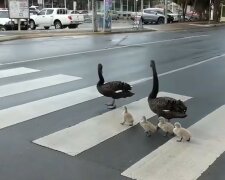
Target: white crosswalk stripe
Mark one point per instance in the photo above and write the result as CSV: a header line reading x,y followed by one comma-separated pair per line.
x,y
20,87
16,71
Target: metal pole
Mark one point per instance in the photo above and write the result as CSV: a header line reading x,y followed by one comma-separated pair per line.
x,y
88,6
43,3
104,18
136,7
65,3
19,25
172,7
165,11
142,4
94,14
209,11
127,8
52,3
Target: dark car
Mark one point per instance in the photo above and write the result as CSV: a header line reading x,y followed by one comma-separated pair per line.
x,y
10,24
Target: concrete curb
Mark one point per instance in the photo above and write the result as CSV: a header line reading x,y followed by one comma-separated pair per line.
x,y
8,38
191,26
58,34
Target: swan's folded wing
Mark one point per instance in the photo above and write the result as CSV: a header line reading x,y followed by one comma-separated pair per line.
x,y
116,86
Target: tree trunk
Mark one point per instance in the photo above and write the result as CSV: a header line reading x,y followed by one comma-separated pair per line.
x,y
216,13
184,8
183,11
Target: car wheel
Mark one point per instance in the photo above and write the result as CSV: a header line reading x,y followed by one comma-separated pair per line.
x,y
58,25
2,28
160,20
32,25
145,22
46,27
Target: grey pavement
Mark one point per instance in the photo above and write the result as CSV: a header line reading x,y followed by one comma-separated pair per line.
x,y
125,57
120,26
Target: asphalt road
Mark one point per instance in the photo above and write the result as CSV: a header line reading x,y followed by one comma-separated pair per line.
x,y
191,63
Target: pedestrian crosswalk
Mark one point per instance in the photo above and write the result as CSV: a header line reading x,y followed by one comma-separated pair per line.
x,y
91,132
190,159
185,161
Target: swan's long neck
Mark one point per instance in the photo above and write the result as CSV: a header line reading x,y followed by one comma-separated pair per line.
x,y
101,79
155,88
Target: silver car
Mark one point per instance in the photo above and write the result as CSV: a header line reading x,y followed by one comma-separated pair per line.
x,y
152,15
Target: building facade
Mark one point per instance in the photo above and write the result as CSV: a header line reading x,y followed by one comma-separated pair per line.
x,y
118,5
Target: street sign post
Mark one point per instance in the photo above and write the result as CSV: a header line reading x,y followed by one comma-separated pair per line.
x,y
107,20
19,9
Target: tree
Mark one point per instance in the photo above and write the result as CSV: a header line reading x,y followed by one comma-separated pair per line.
x,y
183,4
216,12
200,6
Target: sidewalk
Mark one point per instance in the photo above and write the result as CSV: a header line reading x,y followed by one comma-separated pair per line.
x,y
117,28
185,26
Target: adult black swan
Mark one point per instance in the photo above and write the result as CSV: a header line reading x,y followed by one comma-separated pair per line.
x,y
166,107
113,89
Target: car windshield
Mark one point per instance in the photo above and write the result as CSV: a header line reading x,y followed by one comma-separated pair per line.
x,y
4,14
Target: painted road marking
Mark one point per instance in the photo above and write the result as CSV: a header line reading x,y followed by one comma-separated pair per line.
x,y
25,112
16,71
20,87
184,160
89,133
178,69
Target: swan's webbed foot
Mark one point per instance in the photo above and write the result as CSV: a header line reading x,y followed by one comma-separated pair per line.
x,y
165,135
111,107
148,133
111,104
179,140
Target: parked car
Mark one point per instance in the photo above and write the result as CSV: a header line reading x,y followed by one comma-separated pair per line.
x,y
11,24
153,15
57,17
176,16
87,18
191,16
115,15
79,12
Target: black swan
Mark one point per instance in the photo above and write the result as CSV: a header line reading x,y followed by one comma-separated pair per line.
x,y
113,89
166,107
